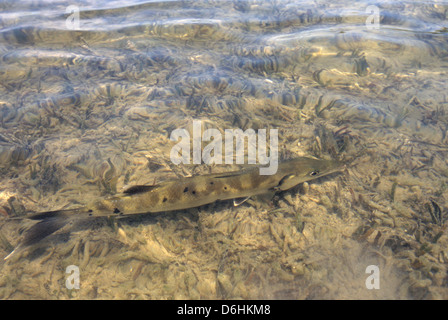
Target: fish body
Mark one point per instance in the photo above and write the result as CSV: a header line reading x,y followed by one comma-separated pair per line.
x,y
185,193
200,190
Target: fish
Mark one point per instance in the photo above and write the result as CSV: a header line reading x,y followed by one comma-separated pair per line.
x,y
184,193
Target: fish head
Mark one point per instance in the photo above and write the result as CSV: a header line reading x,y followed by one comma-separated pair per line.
x,y
305,169
315,168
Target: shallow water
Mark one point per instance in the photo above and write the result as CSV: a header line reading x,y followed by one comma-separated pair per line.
x,y
88,109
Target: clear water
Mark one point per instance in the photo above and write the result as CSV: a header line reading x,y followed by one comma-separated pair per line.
x,y
88,109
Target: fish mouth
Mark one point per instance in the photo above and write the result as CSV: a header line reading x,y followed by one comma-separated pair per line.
x,y
336,166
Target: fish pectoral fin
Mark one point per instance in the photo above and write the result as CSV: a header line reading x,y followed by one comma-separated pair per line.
x,y
238,201
287,182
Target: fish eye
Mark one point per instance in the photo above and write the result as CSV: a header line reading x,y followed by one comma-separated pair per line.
x,y
314,173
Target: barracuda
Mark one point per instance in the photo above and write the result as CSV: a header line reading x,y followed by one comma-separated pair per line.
x,y
183,194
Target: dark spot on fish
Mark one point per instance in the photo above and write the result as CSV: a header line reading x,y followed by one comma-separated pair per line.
x,y
211,182
186,189
193,192
90,210
164,199
117,211
225,188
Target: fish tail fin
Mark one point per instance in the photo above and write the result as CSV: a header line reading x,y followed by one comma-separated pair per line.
x,y
49,223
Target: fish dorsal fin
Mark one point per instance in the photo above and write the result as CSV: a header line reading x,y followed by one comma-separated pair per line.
x,y
138,189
